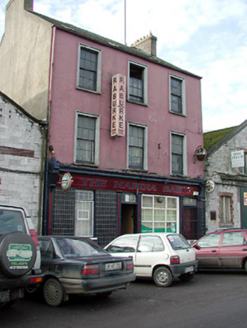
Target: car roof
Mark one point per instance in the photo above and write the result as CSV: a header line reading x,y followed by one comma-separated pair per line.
x,y
150,233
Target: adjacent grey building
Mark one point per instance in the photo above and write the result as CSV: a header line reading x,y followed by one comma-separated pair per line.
x,y
226,178
21,159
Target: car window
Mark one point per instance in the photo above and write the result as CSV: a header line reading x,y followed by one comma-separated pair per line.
x,y
46,249
76,247
233,239
11,221
124,244
150,244
210,241
178,241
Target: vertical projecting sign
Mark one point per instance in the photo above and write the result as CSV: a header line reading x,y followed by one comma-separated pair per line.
x,y
118,106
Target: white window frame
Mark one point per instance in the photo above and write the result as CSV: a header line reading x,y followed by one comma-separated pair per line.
x,y
88,199
145,154
99,68
97,138
145,83
174,133
165,209
181,79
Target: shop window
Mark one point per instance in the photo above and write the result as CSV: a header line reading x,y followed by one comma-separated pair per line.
x,y
87,139
178,154
177,95
84,205
137,90
89,69
225,209
159,214
137,146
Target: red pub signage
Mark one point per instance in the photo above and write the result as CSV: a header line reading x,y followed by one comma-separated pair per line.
x,y
118,106
85,182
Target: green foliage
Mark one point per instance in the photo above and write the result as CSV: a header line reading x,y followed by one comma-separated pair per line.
x,y
211,138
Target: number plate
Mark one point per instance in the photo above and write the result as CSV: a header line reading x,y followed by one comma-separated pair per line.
x,y
113,266
189,269
5,296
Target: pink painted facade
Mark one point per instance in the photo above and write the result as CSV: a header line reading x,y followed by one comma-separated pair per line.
x,y
145,181
66,99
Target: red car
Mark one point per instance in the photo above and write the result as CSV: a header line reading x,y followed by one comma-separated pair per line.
x,y
223,249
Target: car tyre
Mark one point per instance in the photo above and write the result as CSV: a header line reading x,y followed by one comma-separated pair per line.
x,y
53,292
186,276
162,277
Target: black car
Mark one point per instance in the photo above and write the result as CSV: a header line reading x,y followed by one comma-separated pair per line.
x,y
77,265
19,254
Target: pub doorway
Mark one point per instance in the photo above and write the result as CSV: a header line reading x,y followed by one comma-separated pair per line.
x,y
129,219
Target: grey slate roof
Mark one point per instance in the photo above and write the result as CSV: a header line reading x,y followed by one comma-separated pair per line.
x,y
110,43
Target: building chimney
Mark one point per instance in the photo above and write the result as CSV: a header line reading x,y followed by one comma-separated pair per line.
x,y
146,44
28,5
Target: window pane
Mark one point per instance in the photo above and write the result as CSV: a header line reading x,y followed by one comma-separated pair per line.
x,y
88,69
136,147
86,139
177,154
176,95
136,83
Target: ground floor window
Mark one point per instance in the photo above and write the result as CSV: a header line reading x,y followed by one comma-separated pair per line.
x,y
84,205
160,214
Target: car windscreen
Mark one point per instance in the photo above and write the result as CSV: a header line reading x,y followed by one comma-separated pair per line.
x,y
77,247
178,241
11,220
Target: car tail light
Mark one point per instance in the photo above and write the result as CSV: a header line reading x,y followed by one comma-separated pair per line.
x,y
90,270
34,237
175,259
130,265
35,280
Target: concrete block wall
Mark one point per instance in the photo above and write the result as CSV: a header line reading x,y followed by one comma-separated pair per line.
x,y
20,160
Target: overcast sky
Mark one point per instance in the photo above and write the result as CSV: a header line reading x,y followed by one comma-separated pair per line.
x,y
205,37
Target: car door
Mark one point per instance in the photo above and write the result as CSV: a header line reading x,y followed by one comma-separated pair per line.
x,y
149,253
124,246
233,249
47,254
207,251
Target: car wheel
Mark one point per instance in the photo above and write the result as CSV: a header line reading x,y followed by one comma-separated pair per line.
x,y
18,253
162,277
186,276
53,292
245,265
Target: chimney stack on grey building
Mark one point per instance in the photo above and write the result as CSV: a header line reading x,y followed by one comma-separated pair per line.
x,y
146,44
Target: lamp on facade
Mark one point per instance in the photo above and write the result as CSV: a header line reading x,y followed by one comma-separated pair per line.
x,y
200,154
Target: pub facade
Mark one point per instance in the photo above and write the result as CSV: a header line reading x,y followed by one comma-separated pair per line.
x,y
124,140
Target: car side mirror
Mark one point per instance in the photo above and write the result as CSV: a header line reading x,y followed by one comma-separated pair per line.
x,y
197,246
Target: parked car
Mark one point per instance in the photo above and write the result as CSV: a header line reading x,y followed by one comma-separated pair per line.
x,y
222,249
19,254
76,265
161,256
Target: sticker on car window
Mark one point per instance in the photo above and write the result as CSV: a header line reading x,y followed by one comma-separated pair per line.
x,y
171,239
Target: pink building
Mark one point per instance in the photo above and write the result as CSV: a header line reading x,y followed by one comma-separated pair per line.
x,y
125,142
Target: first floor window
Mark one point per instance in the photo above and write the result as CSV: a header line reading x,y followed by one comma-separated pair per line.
x,y
137,90
177,95
177,154
84,205
87,139
159,214
137,147
89,68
